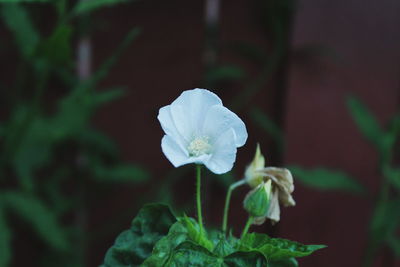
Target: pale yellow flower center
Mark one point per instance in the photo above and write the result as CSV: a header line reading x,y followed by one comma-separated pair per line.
x,y
199,146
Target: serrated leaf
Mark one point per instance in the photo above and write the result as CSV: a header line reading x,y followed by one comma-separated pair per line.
x,y
195,234
121,173
245,259
191,254
133,246
5,240
275,249
165,246
90,5
18,22
325,179
34,212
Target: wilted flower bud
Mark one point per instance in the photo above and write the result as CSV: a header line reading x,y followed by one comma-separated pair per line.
x,y
282,186
256,202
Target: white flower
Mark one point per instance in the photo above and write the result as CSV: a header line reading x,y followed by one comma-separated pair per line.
x,y
199,129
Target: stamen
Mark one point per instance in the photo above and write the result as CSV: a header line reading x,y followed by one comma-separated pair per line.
x,y
199,146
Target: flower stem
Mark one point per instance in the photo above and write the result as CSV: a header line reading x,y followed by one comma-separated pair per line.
x,y
247,226
227,203
198,198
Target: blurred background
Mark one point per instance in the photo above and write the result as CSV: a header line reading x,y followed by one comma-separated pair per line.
x,y
316,82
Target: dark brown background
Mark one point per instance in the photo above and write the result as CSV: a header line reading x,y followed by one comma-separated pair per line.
x,y
360,43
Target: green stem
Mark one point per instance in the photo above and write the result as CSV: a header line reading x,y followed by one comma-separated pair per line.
x,y
247,226
198,198
227,203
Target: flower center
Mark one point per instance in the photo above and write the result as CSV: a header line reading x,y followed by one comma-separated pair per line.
x,y
199,146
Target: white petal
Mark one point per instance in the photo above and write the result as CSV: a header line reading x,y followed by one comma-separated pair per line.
x,y
219,119
173,152
224,153
189,109
168,125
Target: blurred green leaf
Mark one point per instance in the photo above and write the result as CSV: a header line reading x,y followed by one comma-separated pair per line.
x,y
133,246
121,173
18,22
324,179
269,126
25,1
253,52
369,126
393,175
57,48
5,240
383,224
394,243
225,73
91,5
37,214
107,65
191,254
108,95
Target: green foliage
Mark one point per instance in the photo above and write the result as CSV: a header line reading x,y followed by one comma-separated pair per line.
x,y
325,179
25,1
91,5
195,234
184,245
225,73
33,211
133,246
275,249
369,126
19,23
5,238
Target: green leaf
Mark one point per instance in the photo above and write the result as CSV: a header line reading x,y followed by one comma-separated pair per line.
x,y
164,248
369,126
242,259
91,5
39,216
25,1
5,240
106,66
191,254
394,244
324,179
121,173
57,48
195,234
18,22
108,95
269,126
275,249
393,176
133,246
223,247
225,73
